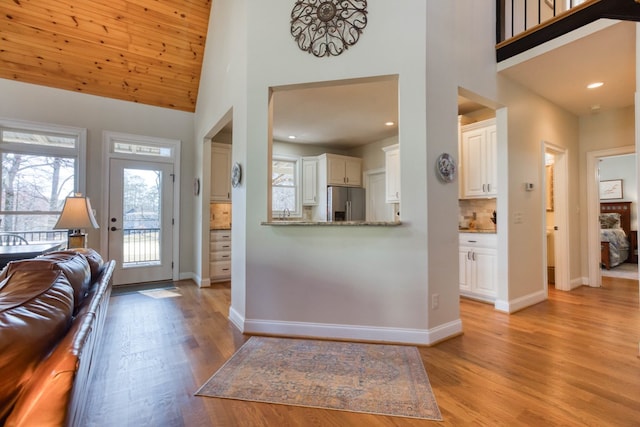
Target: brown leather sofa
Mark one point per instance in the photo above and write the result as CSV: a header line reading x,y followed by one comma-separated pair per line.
x,y
52,313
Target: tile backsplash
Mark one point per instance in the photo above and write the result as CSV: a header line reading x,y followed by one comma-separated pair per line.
x,y
483,209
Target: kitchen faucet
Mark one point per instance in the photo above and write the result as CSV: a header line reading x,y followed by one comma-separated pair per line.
x,y
285,213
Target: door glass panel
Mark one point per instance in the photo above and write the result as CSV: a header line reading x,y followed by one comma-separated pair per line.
x,y
141,213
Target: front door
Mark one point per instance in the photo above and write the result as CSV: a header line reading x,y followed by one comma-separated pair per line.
x,y
140,220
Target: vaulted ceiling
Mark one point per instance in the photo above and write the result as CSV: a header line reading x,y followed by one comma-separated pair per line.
x,y
145,51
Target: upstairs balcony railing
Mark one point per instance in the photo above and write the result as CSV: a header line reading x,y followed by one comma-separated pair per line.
x,y
524,24
518,16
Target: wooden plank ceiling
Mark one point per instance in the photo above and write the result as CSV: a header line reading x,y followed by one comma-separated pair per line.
x,y
146,51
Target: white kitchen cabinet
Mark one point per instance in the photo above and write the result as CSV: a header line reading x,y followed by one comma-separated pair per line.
x,y
392,173
479,169
220,172
220,255
309,181
478,266
343,170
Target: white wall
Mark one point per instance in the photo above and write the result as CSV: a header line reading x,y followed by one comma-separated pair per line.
x,y
377,283
360,282
97,114
222,98
525,120
533,120
601,131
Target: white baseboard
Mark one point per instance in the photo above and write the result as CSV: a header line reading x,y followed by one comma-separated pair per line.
x,y
202,283
347,332
520,303
236,319
576,283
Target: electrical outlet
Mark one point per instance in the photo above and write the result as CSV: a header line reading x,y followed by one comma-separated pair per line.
x,y
435,301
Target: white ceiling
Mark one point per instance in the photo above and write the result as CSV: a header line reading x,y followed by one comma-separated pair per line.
x,y
348,114
340,114
562,73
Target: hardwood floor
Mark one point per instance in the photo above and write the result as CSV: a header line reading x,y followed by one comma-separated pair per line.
x,y
571,361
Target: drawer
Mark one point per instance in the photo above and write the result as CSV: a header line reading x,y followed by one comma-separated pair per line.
x,y
479,240
220,256
219,246
220,235
220,268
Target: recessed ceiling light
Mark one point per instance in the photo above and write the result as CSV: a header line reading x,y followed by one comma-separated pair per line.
x,y
292,137
595,85
389,124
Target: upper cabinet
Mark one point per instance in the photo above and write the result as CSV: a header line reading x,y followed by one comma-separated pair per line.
x,y
309,181
343,170
392,173
478,147
220,172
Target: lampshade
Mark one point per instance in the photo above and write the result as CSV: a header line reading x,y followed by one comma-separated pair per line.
x,y
76,214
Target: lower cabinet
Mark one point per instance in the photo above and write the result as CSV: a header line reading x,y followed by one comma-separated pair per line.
x,y
478,266
220,255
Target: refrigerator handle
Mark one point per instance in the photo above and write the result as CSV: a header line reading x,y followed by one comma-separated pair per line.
x,y
348,210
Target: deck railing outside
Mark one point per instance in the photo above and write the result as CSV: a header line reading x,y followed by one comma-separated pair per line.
x,y
141,246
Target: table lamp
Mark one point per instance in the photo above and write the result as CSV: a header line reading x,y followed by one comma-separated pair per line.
x,y
76,215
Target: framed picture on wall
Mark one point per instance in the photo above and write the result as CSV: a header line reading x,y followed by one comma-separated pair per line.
x,y
611,189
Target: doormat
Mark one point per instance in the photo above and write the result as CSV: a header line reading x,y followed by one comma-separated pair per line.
x,y
356,377
161,293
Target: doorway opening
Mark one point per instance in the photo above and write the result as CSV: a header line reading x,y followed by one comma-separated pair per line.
x,y
216,205
594,199
556,230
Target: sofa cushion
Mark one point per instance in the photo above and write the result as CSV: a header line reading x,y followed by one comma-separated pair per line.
x,y
74,266
35,312
96,263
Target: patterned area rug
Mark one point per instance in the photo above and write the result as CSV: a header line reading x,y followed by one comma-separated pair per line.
x,y
368,378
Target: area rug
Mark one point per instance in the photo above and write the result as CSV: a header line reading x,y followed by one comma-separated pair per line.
x,y
622,271
356,377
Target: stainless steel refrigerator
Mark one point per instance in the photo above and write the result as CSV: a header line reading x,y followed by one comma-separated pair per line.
x,y
345,204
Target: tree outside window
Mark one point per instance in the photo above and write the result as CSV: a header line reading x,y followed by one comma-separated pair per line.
x,y
38,171
285,199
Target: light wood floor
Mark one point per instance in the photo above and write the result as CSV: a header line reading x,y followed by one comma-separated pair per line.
x,y
569,361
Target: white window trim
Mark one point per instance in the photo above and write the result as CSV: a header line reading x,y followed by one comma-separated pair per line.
x,y
108,140
80,152
297,212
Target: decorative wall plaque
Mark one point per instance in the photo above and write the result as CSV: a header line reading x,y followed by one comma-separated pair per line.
x,y
328,27
446,167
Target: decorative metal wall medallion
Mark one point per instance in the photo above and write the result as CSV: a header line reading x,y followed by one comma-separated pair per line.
x,y
328,27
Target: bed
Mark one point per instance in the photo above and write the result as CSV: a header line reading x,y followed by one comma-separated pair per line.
x,y
615,225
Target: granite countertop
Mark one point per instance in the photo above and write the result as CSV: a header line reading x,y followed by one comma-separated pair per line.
x,y
334,223
478,230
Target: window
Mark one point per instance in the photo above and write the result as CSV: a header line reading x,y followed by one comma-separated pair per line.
x,y
285,186
40,166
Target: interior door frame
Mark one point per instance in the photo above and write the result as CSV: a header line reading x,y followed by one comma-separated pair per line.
x,y
561,215
593,209
108,140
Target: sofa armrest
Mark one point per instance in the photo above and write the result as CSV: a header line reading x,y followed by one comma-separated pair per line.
x,y
56,393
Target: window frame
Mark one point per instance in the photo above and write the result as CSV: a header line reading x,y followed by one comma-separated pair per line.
x,y
296,160
78,153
